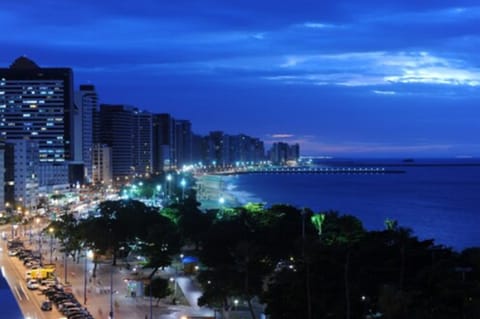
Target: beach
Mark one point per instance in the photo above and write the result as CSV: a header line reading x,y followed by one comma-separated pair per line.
x,y
216,192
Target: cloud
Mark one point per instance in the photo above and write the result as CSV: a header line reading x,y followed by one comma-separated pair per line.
x,y
317,25
377,68
280,136
380,92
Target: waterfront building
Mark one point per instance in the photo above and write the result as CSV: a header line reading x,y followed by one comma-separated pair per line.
x,y
128,133
142,147
216,152
54,177
227,150
9,175
86,100
245,149
117,131
2,177
197,148
284,154
102,165
37,103
162,142
21,163
183,143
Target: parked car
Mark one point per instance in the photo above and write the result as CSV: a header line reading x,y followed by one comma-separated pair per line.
x,y
33,284
13,252
46,305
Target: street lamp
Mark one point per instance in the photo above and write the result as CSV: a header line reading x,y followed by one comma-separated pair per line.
x,y
50,230
173,280
221,201
169,179
236,303
88,254
14,230
183,182
158,188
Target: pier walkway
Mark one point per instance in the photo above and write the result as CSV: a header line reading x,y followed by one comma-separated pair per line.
x,y
307,170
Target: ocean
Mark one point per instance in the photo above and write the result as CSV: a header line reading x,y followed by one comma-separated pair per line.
x,y
437,199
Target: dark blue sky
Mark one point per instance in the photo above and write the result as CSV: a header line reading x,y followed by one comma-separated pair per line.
x,y
342,78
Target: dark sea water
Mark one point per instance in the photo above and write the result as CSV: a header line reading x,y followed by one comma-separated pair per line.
x,y
437,199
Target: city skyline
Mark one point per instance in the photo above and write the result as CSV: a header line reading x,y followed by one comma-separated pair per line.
x,y
339,78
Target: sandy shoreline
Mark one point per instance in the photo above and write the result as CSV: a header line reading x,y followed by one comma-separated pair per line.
x,y
210,190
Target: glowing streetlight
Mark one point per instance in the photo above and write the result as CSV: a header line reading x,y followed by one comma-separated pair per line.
x,y
158,188
183,183
169,179
173,280
14,230
235,303
221,201
88,255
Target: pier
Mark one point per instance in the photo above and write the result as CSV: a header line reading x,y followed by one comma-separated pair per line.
x,y
309,170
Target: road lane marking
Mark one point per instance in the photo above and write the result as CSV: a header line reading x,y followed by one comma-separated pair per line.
x,y
19,293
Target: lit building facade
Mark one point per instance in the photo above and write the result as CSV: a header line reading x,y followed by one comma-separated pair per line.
x,y
162,142
2,176
24,165
86,100
142,147
117,132
101,165
183,143
128,133
282,153
37,103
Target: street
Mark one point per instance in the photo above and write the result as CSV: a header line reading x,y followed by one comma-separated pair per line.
x,y
99,301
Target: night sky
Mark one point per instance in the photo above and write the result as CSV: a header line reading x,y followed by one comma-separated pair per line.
x,y
342,78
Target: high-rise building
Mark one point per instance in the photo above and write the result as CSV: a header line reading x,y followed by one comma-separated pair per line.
x,y
282,153
117,131
9,176
24,165
37,103
183,143
128,133
197,148
217,150
162,142
221,149
143,142
246,149
2,176
102,165
86,100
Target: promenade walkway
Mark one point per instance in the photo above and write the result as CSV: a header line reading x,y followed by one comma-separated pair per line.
x,y
124,305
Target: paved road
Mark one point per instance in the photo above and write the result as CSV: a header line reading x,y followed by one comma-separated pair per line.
x,y
28,300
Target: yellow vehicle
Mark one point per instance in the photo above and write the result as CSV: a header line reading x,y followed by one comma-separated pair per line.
x,y
40,274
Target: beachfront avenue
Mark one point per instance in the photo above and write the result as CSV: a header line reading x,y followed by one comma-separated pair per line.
x,y
246,261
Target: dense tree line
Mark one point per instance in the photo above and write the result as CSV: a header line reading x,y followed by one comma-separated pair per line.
x,y
295,262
